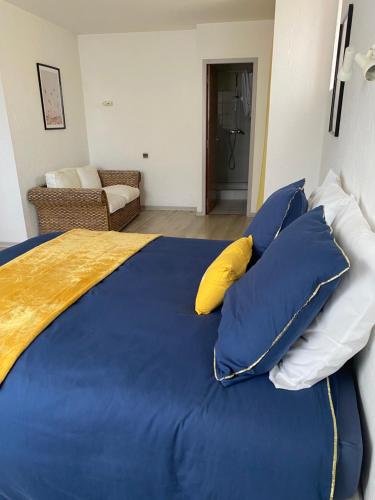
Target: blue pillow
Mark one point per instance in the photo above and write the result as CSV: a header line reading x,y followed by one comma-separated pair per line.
x,y
271,306
277,212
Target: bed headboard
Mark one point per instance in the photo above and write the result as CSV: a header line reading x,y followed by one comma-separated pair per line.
x,y
361,183
365,368
355,181
358,178
352,155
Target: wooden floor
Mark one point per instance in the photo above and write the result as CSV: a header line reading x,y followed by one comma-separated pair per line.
x,y
189,225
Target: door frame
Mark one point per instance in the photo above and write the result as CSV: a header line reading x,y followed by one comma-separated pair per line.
x,y
205,63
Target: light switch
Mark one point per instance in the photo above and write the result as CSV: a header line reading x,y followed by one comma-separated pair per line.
x,y
107,102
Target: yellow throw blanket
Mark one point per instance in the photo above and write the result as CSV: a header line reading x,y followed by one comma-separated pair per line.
x,y
39,285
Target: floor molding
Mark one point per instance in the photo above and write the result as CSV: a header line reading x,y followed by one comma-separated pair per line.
x,y
4,245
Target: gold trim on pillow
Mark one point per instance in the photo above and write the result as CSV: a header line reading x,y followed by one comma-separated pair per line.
x,y
287,211
335,440
283,331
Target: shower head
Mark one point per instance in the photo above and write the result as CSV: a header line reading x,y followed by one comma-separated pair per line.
x,y
237,131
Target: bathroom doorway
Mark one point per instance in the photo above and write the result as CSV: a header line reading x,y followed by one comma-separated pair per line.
x,y
228,134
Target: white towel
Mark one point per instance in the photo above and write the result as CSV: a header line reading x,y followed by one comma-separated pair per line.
x,y
247,83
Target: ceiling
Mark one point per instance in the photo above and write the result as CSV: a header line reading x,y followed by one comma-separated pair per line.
x,y
120,16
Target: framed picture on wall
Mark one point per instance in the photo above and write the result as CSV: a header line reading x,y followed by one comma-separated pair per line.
x,y
51,96
339,87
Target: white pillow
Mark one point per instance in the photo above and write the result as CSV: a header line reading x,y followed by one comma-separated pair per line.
x,y
344,326
129,193
64,178
332,178
331,195
89,177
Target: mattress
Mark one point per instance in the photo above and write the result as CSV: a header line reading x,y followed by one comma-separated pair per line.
x,y
116,399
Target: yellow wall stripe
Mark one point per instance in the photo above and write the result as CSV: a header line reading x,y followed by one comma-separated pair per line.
x,y
262,179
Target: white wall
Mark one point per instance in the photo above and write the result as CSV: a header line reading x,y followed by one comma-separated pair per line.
x,y
26,40
12,224
302,56
152,79
240,40
156,83
353,155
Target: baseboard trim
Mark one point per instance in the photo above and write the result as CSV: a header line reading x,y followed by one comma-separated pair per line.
x,y
179,209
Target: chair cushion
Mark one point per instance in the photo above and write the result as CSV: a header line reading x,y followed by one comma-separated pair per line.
x,y
129,193
63,178
277,212
271,306
115,202
225,270
89,177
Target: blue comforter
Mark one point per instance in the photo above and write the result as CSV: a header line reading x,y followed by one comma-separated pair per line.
x,y
116,399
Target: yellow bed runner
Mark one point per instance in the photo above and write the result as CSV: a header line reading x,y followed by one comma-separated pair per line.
x,y
39,285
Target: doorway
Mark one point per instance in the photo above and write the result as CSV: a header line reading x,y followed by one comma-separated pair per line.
x,y
228,137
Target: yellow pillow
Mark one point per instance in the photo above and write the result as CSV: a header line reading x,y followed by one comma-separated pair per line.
x,y
227,268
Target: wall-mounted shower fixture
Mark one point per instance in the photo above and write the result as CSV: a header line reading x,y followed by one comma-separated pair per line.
x,y
237,131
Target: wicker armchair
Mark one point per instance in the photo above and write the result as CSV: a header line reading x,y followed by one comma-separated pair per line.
x,y
64,209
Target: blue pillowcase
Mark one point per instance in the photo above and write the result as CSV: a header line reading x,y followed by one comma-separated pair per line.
x,y
271,306
277,212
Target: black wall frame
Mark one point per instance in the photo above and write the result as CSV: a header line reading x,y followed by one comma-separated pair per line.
x,y
57,70
339,87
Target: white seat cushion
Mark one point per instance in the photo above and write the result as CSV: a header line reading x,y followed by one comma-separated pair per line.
x,y
129,193
115,202
89,177
63,178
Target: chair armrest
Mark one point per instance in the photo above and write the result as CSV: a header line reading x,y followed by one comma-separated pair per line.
x,y
127,177
42,196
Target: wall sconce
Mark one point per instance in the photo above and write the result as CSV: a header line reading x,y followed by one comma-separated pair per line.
x,y
365,61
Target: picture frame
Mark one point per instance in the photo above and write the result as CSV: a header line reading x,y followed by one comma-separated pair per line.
x,y
51,96
338,86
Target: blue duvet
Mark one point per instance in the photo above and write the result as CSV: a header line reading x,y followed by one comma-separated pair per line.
x,y
117,400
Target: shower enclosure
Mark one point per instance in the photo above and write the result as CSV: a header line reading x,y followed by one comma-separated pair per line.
x,y
230,126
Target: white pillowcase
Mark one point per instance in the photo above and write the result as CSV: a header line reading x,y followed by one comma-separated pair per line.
x,y
89,177
332,178
343,328
63,178
331,195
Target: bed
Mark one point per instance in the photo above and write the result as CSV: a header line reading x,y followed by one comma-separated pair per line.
x,y
117,399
